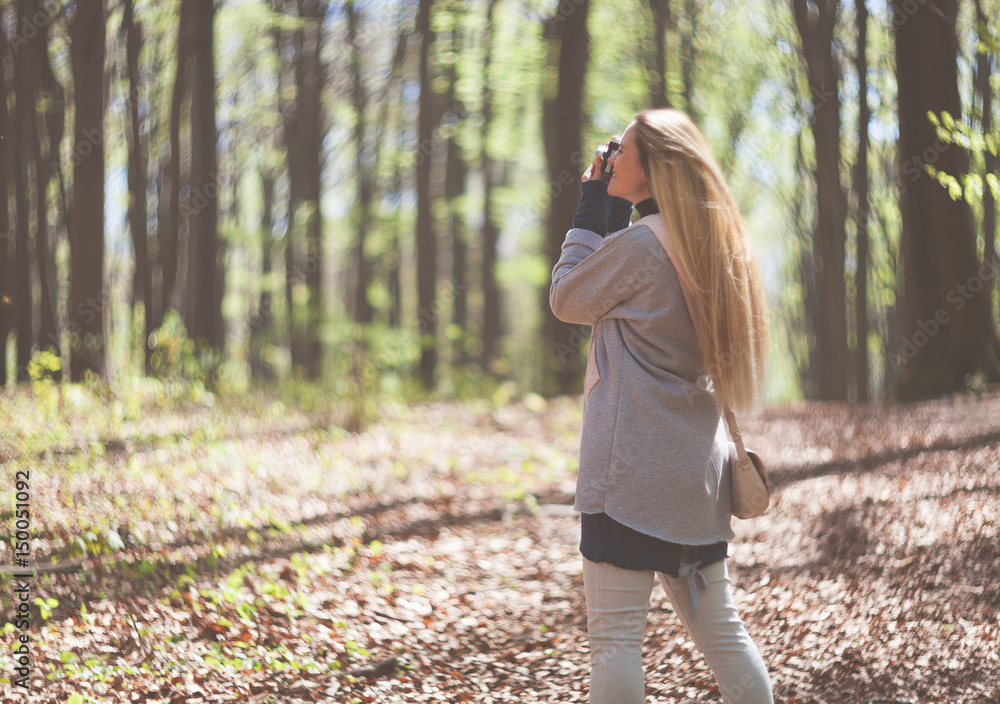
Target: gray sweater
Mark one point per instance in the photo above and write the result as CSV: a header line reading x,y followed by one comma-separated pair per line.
x,y
654,451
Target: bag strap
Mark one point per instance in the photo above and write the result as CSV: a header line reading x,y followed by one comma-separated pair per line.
x,y
655,223
734,430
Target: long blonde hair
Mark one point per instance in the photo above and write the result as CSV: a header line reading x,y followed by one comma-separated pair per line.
x,y
713,253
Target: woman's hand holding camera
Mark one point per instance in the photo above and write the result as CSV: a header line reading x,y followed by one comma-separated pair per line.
x,y
597,171
599,211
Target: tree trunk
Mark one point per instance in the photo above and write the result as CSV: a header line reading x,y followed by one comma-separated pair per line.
x,y
364,169
456,172
287,47
943,279
689,57
490,233
394,274
861,191
48,129
425,233
395,254
174,232
393,93
808,372
566,34
87,298
311,91
204,320
816,30
23,136
893,317
6,241
302,120
658,94
137,214
260,325
986,64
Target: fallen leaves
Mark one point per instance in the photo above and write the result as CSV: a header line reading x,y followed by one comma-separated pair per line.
x,y
452,578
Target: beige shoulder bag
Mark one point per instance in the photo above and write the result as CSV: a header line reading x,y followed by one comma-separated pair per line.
x,y
750,488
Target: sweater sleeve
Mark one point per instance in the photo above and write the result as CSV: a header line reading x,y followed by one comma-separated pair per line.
x,y
595,207
595,275
600,212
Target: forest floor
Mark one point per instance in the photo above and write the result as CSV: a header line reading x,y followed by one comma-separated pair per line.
x,y
267,556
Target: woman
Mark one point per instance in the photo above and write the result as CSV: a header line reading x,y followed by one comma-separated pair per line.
x,y
653,483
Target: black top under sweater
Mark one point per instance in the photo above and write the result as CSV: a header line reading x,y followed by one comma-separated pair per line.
x,y
603,539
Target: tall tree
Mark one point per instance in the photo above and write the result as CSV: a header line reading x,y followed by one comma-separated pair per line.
x,y
6,241
302,119
22,138
260,324
47,106
456,173
311,91
362,309
393,257
490,233
662,20
808,371
87,309
985,68
568,43
425,234
204,317
689,56
861,193
393,95
943,278
172,233
816,22
137,211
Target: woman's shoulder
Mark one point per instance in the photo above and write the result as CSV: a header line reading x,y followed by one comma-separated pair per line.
x,y
641,239
639,235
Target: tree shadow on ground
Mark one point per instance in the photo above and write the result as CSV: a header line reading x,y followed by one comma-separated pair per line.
x,y
782,476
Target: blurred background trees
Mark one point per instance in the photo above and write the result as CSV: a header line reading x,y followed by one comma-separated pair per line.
x,y
370,195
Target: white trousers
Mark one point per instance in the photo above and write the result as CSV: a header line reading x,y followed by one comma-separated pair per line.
x,y
617,604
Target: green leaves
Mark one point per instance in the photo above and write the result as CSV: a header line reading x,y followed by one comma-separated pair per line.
x,y
95,541
45,606
969,185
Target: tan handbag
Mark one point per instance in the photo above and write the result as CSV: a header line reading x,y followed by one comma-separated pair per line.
x,y
750,488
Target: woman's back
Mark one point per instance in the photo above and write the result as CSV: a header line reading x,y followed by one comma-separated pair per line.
x,y
653,448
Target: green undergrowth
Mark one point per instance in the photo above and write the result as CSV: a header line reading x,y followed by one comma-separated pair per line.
x,y
125,476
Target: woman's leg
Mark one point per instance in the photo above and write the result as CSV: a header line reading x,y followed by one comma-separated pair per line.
x,y
718,632
617,603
